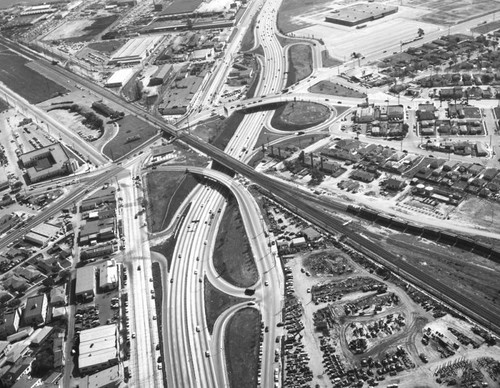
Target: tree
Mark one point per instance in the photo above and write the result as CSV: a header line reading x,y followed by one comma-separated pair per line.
x,y
420,32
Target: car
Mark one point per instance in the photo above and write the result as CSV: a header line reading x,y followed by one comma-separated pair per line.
x,y
207,353
251,303
197,329
154,317
171,280
138,268
133,335
266,283
308,290
159,366
196,272
266,329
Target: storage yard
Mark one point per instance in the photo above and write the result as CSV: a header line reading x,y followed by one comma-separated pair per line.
x,y
347,322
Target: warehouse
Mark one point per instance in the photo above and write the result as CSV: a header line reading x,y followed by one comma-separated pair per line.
x,y
135,50
161,75
85,284
202,55
36,239
97,349
35,311
46,230
359,13
119,78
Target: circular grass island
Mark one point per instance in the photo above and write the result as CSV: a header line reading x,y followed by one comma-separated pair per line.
x,y
299,115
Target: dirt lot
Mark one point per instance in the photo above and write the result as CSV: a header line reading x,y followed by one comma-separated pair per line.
x,y
232,255
133,132
294,116
484,213
166,191
81,30
24,81
242,348
300,57
291,8
334,89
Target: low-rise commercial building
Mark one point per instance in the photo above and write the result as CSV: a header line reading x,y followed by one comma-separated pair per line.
x,y
47,162
85,283
35,312
108,275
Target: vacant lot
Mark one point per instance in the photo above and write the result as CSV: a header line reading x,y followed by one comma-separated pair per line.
x,y
334,89
218,130
242,348
24,81
294,116
290,9
107,46
249,38
300,57
81,30
133,132
3,105
166,191
233,257
217,302
328,61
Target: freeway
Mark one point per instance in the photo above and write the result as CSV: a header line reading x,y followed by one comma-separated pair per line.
x,y
285,195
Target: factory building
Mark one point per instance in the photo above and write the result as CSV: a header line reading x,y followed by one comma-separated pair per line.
x,y
85,284
359,14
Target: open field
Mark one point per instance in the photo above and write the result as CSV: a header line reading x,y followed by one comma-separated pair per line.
x,y
300,59
249,38
328,61
218,131
166,191
166,249
24,81
484,213
452,12
81,30
333,89
133,132
294,116
232,255
216,302
287,21
242,348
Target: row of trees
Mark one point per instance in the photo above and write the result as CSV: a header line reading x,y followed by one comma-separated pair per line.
x,y
91,120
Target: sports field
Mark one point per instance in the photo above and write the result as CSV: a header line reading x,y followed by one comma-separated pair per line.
x,y
24,81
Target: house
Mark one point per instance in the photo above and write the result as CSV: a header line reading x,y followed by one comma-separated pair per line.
x,y
362,176
394,184
9,324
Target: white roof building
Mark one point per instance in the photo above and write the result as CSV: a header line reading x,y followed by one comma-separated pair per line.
x,y
119,78
108,275
135,50
98,348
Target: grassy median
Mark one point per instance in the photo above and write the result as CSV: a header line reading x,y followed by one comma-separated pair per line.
x,y
241,344
233,258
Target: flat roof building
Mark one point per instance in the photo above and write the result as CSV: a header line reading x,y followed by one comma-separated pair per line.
x,y
360,13
85,283
108,275
35,238
135,50
45,229
161,75
98,349
35,311
47,162
120,78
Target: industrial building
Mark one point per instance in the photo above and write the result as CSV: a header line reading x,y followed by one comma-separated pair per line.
x,y
97,231
47,162
360,13
135,51
119,78
36,239
108,275
35,311
202,55
99,251
97,349
85,284
161,75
